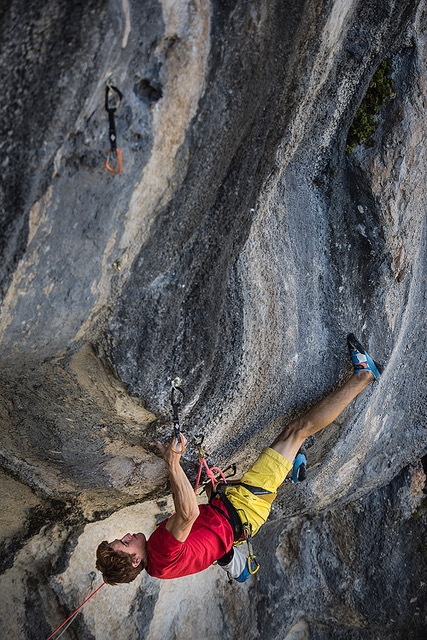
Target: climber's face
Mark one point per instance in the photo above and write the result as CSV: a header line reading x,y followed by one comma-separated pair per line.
x,y
132,543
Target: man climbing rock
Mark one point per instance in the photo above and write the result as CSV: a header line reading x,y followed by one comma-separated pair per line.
x,y
196,535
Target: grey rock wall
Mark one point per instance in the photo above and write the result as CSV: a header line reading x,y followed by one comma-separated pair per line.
x,y
236,249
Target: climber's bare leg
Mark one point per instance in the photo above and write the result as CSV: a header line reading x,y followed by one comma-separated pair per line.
x,y
320,415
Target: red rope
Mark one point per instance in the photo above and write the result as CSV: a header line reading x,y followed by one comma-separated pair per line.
x,y
74,612
209,472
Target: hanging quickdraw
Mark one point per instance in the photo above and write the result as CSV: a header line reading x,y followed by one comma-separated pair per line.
x,y
114,152
210,471
177,396
253,564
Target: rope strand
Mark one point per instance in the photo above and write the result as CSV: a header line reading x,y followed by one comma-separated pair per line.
x,y
74,612
209,472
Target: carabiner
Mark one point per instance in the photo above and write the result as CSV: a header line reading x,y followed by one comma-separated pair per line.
x,y
116,153
110,87
233,468
182,443
253,564
253,559
176,389
198,440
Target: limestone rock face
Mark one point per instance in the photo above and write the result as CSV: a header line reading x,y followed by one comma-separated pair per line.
x,y
236,249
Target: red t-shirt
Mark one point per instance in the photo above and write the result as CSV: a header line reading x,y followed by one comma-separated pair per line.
x,y
211,536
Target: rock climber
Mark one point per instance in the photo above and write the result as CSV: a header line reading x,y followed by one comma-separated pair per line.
x,y
196,535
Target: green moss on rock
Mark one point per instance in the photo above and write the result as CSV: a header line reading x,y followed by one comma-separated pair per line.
x,y
366,120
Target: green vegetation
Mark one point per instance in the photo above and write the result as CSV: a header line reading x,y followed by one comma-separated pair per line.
x,y
366,119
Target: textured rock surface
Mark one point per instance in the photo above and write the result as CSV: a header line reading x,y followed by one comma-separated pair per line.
x,y
237,248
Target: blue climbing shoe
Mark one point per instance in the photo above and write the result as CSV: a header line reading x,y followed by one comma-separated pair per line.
x,y
360,359
299,468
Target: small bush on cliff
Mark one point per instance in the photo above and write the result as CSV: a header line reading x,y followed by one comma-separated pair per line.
x,y
366,119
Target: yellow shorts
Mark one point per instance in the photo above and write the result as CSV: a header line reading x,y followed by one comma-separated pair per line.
x,y
268,472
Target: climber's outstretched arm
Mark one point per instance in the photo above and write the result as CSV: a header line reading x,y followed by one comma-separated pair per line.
x,y
186,506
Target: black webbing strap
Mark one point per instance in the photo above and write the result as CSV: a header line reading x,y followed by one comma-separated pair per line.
x,y
233,516
111,112
114,152
242,531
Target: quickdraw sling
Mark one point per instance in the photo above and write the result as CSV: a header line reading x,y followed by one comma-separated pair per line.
x,y
114,153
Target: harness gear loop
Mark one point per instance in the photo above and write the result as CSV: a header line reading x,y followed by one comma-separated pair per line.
x,y
177,396
114,151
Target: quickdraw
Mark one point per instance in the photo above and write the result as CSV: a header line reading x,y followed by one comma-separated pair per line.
x,y
177,396
114,152
253,564
210,471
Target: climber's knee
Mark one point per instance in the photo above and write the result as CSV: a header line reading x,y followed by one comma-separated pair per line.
x,y
291,438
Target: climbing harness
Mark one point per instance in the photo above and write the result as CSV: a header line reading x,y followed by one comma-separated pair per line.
x,y
73,615
177,396
242,529
111,108
240,524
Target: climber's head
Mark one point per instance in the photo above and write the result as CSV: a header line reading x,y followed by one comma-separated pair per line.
x,y
122,559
